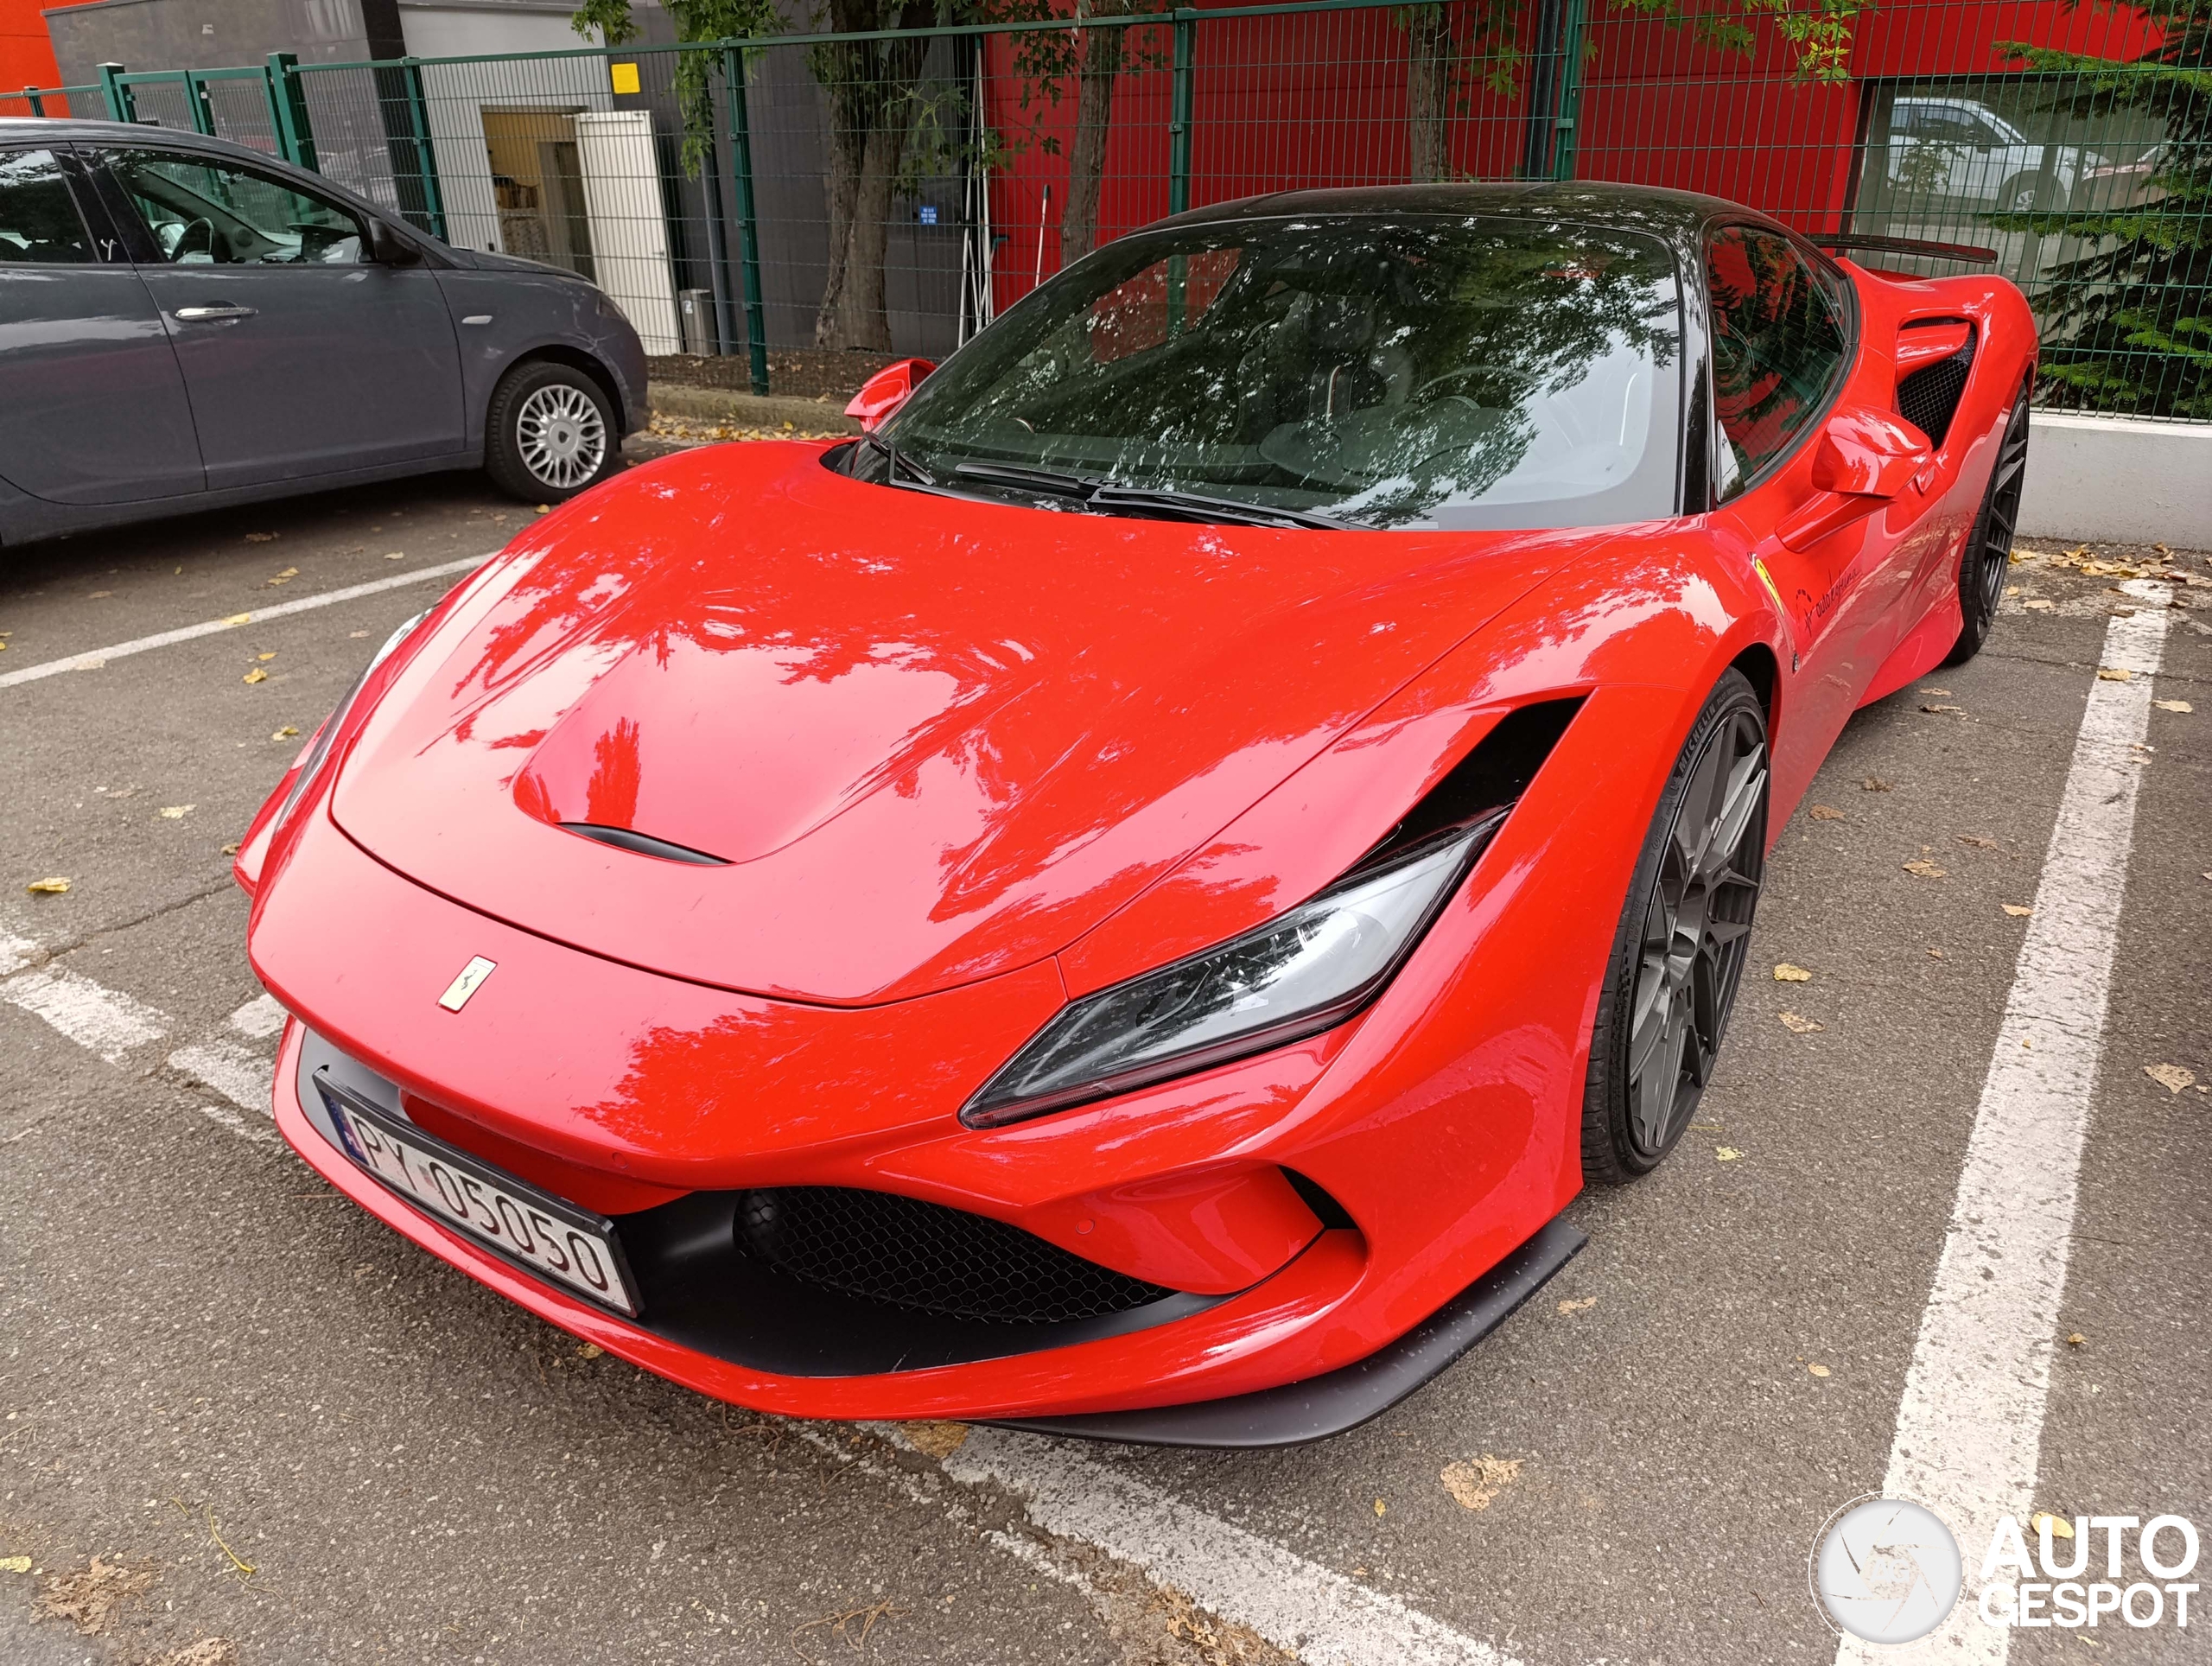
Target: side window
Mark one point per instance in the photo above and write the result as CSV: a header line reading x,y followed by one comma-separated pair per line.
x,y
210,213
1777,347
39,224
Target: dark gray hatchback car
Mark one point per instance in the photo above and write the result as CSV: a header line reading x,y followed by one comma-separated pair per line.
x,y
186,323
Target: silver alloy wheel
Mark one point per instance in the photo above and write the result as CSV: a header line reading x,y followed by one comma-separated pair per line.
x,y
561,436
1694,926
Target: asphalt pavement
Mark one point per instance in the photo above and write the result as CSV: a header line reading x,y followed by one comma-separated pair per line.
x,y
241,1421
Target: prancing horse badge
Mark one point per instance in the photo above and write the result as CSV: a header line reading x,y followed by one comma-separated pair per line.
x,y
471,980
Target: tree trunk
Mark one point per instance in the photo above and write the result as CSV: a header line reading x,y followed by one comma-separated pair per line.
x,y
1094,118
841,187
852,317
1428,92
871,89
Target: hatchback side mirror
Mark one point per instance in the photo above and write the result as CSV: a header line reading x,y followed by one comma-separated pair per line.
x,y
388,248
882,394
1864,458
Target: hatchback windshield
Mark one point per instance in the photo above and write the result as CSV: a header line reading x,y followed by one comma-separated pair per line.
x,y
1416,373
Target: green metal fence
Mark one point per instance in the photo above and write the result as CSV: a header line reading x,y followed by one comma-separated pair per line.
x,y
786,213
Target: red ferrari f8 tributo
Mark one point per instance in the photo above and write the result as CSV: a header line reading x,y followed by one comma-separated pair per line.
x,y
1128,900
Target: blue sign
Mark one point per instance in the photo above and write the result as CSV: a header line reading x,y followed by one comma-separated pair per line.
x,y
929,214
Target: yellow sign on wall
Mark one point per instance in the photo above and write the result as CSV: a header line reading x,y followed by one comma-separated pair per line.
x,y
626,77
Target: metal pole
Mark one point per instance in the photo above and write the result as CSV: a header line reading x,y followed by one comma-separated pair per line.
x,y
1570,89
120,105
1178,125
1543,89
426,159
32,98
287,108
195,98
748,220
710,201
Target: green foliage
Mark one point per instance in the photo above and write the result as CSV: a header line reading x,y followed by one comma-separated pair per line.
x,y
695,20
2127,326
1818,32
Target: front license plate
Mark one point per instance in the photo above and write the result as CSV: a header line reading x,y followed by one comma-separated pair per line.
x,y
551,1237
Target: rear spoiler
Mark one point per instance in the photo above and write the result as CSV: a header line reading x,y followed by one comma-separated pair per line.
x,y
1907,245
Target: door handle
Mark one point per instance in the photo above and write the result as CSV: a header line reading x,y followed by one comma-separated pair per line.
x,y
203,315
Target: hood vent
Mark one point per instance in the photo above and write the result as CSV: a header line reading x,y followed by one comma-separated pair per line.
x,y
645,845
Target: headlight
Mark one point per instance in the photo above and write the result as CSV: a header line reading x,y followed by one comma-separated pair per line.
x,y
1293,977
321,749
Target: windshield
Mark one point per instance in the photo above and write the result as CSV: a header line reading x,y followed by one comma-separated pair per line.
x,y
1414,372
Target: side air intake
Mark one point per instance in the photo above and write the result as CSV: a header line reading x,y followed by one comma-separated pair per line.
x,y
1928,398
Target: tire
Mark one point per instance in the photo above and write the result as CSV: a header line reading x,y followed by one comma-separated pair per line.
x,y
2017,195
549,433
1679,954
1989,553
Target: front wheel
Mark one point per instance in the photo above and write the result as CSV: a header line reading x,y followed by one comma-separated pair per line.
x,y
1989,553
1679,954
549,434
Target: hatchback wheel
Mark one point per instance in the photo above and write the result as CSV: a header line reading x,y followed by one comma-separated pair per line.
x,y
1679,954
549,434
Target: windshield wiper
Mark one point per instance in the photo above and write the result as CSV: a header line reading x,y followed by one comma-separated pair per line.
x,y
898,459
1110,495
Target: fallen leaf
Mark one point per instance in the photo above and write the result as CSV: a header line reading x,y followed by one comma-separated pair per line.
x,y
260,538
1924,870
2114,674
1826,813
1381,1508
1943,709
264,657
256,675
1935,691
1977,841
395,555
940,1441
2059,1527
208,1651
2075,1341
1798,1024
2173,1077
1936,954
285,577
1475,1482
1785,973
15,1564
87,1599
287,733
2039,604
547,508
2173,705
240,619
1726,1153
2017,910
230,851
1874,784
1581,1306
1819,1370
177,812
53,887
590,1350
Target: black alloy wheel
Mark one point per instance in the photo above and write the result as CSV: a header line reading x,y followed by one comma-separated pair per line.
x,y
1679,954
1988,554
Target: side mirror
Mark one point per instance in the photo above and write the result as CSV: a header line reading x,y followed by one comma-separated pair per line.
x,y
388,248
1864,458
884,392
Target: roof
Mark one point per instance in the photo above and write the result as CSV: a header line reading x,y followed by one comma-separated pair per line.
x,y
1672,215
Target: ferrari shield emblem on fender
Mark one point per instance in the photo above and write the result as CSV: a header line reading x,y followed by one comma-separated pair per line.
x,y
471,980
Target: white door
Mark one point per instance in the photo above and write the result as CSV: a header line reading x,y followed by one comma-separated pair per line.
x,y
629,230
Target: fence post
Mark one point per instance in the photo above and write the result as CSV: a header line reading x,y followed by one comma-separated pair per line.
x,y
288,110
748,222
121,107
32,98
1179,124
196,102
426,158
1570,89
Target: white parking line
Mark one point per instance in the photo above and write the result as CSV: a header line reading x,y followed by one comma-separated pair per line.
x,y
1969,1428
1301,1607
95,1017
241,1077
98,657
260,1018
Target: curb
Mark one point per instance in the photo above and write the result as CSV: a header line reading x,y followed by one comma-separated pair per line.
x,y
824,415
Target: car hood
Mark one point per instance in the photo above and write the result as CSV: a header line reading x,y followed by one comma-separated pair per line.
x,y
926,740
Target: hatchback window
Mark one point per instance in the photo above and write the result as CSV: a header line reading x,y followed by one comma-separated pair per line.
x,y
1776,348
1416,371
208,213
39,225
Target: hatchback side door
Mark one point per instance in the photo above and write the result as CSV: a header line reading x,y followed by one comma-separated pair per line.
x,y
94,409
303,356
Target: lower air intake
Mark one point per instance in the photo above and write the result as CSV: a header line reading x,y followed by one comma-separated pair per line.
x,y
922,1255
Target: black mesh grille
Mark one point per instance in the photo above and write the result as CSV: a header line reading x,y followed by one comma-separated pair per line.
x,y
1929,397
923,1255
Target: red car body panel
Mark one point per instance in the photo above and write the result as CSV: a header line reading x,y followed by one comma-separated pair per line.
x,y
968,762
